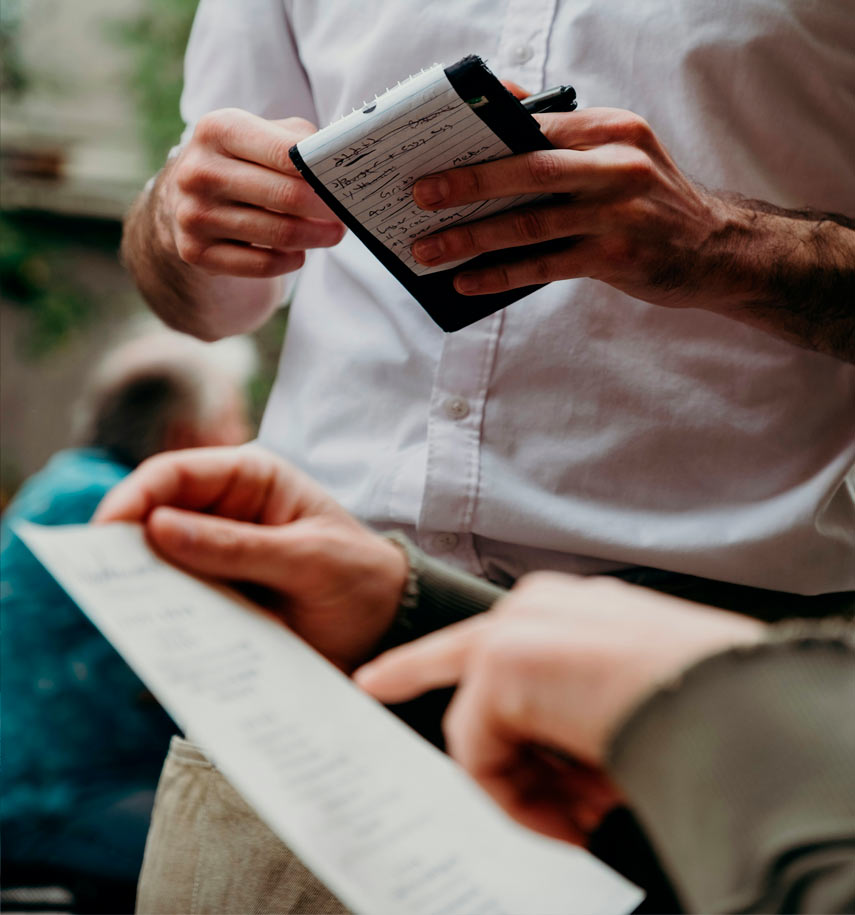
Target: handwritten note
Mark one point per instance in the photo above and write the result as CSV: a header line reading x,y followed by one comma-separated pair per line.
x,y
370,160
389,823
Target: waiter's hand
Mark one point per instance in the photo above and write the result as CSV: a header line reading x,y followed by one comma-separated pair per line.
x,y
626,214
232,202
244,516
545,678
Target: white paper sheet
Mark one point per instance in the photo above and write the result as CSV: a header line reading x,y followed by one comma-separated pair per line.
x,y
389,823
370,159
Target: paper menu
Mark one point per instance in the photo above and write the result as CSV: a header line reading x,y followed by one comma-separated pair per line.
x,y
389,823
370,159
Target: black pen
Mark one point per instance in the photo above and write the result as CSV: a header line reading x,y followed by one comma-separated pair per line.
x,y
560,98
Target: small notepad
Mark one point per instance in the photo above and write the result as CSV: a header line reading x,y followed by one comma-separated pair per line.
x,y
420,127
364,166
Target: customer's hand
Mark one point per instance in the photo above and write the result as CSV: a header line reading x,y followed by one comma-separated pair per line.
x,y
233,203
626,214
242,515
548,675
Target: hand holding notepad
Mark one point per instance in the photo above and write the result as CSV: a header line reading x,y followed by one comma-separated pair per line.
x,y
365,165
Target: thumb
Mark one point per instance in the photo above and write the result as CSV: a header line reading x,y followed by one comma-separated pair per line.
x,y
221,548
515,89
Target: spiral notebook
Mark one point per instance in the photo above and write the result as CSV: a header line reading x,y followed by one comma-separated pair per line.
x,y
364,166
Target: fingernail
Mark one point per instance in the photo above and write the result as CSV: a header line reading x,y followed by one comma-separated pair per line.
x,y
430,192
362,676
427,250
467,282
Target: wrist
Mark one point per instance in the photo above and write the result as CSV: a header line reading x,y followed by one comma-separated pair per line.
x,y
663,667
730,257
159,214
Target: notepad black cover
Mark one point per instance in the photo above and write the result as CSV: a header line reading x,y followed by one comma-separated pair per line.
x,y
435,292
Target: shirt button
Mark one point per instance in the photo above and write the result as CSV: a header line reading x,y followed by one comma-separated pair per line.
x,y
456,408
445,543
522,54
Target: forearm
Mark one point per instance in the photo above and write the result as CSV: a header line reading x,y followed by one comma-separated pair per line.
x,y
740,772
186,297
790,273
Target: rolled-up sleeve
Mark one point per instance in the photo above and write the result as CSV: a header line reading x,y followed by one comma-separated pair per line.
x,y
743,775
243,55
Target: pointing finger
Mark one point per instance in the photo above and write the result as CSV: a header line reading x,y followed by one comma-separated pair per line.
x,y
432,662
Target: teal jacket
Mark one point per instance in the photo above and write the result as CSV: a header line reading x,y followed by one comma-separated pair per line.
x,y
75,718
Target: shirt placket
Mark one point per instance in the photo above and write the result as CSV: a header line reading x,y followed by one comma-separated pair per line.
x,y
455,422
524,42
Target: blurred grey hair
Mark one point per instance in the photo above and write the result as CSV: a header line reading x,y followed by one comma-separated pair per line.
x,y
143,388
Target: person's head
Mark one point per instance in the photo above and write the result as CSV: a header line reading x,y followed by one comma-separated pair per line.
x,y
162,391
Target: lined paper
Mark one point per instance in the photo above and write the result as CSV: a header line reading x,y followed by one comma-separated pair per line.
x,y
370,159
389,823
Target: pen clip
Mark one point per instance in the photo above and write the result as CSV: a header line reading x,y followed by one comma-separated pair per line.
x,y
559,98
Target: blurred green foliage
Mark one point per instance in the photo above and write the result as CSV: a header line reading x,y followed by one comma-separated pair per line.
x,y
13,79
35,273
156,39
32,277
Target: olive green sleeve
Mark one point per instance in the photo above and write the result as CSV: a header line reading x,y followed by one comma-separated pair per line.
x,y
436,595
742,773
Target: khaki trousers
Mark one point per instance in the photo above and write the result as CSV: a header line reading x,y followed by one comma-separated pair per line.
x,y
208,852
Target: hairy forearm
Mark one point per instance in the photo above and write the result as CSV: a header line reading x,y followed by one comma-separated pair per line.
x,y
788,272
183,296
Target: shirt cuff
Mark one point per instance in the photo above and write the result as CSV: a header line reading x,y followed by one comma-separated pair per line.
x,y
435,595
741,773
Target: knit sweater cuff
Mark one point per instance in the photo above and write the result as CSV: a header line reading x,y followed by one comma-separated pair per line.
x,y
436,595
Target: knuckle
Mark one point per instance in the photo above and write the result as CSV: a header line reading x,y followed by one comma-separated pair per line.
x,y
462,241
286,195
295,261
285,233
470,181
197,177
280,149
529,224
544,168
535,581
617,250
258,264
637,170
507,660
191,216
601,588
190,250
152,466
633,129
542,269
268,263
299,127
214,126
501,277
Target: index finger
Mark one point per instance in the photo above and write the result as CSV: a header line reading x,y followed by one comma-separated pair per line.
x,y
197,478
545,171
246,136
590,127
434,661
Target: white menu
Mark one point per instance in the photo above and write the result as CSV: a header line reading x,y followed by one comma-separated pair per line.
x,y
390,824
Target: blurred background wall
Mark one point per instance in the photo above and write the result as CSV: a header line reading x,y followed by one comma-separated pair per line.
x,y
89,96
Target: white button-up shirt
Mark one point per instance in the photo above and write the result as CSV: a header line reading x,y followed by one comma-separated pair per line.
x,y
578,429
